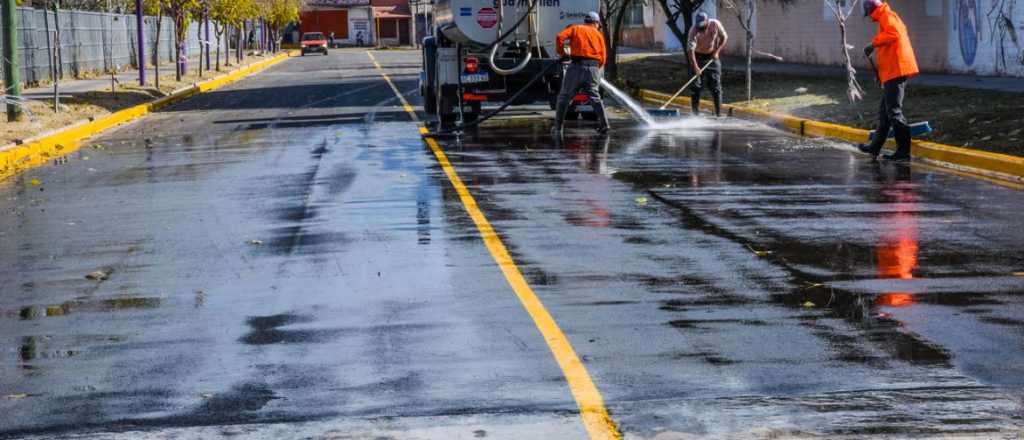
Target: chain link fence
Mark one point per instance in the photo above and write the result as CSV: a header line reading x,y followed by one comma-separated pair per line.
x,y
92,42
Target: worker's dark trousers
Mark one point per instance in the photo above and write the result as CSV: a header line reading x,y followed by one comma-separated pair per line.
x,y
712,78
890,115
582,76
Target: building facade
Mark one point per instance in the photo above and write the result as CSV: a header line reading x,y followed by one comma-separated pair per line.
x,y
348,20
977,37
361,22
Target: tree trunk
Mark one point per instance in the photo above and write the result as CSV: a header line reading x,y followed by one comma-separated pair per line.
x,y
613,62
217,30
199,36
156,47
750,52
238,44
752,12
686,9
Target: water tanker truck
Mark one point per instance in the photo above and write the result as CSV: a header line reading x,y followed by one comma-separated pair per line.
x,y
494,51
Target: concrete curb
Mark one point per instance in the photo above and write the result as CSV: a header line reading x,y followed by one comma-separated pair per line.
x,y
994,165
16,158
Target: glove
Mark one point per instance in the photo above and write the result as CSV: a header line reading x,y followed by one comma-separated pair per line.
x,y
868,50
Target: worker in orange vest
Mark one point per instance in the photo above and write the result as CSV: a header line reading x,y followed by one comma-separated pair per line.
x,y
896,65
584,45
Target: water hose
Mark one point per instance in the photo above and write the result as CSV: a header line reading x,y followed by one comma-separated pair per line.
x,y
507,103
506,72
502,37
494,46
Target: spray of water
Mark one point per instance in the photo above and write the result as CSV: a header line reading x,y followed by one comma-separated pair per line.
x,y
631,105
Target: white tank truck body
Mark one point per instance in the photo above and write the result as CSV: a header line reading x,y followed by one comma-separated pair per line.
x,y
463,67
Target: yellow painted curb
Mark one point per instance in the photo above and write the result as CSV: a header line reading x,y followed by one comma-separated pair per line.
x,y
40,150
999,166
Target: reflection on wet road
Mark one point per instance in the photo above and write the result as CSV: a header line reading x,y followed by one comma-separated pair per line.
x,y
723,279
285,258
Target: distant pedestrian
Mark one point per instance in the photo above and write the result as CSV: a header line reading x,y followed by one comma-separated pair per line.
x,y
706,40
330,43
359,38
896,65
584,44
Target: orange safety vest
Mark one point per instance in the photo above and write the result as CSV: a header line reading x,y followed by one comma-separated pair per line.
x,y
892,44
585,41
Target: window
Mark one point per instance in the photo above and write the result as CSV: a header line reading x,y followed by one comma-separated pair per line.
x,y
635,15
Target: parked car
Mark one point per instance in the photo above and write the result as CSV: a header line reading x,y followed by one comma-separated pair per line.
x,y
314,42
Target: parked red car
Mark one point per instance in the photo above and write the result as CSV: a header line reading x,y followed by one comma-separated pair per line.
x,y
314,42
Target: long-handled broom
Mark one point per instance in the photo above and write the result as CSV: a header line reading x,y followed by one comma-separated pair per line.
x,y
662,112
916,129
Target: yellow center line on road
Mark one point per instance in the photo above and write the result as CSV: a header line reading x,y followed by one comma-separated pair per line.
x,y
596,420
405,104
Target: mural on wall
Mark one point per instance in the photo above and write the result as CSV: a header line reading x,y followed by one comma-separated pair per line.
x,y
987,37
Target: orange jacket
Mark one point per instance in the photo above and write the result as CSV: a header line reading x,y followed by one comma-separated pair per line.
x,y
895,54
584,41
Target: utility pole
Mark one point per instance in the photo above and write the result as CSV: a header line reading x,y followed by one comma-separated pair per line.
x,y
142,42
12,80
415,22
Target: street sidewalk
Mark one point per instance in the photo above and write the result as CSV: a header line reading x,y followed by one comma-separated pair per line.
x,y
69,87
73,86
1002,84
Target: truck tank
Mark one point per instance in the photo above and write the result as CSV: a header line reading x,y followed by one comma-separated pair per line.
x,y
474,23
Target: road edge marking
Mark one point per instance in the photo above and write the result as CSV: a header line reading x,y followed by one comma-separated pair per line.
x,y
15,159
596,420
1001,169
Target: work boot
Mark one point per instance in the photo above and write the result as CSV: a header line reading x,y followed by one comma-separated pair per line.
x,y
695,104
560,109
718,106
602,118
865,148
902,154
898,157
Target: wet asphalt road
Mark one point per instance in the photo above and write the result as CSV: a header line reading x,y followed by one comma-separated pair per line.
x,y
286,259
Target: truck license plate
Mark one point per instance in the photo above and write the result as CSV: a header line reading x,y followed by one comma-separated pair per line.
x,y
475,77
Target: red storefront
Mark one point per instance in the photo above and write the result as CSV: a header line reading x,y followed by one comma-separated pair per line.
x,y
341,17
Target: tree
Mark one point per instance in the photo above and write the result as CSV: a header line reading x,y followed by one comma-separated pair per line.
x,y
228,14
225,13
745,12
182,11
854,92
613,15
673,9
157,8
277,14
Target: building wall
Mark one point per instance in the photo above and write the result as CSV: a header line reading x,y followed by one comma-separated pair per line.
x,y
959,36
808,33
325,21
360,24
986,37
639,37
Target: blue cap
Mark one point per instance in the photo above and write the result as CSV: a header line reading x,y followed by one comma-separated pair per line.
x,y
700,19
